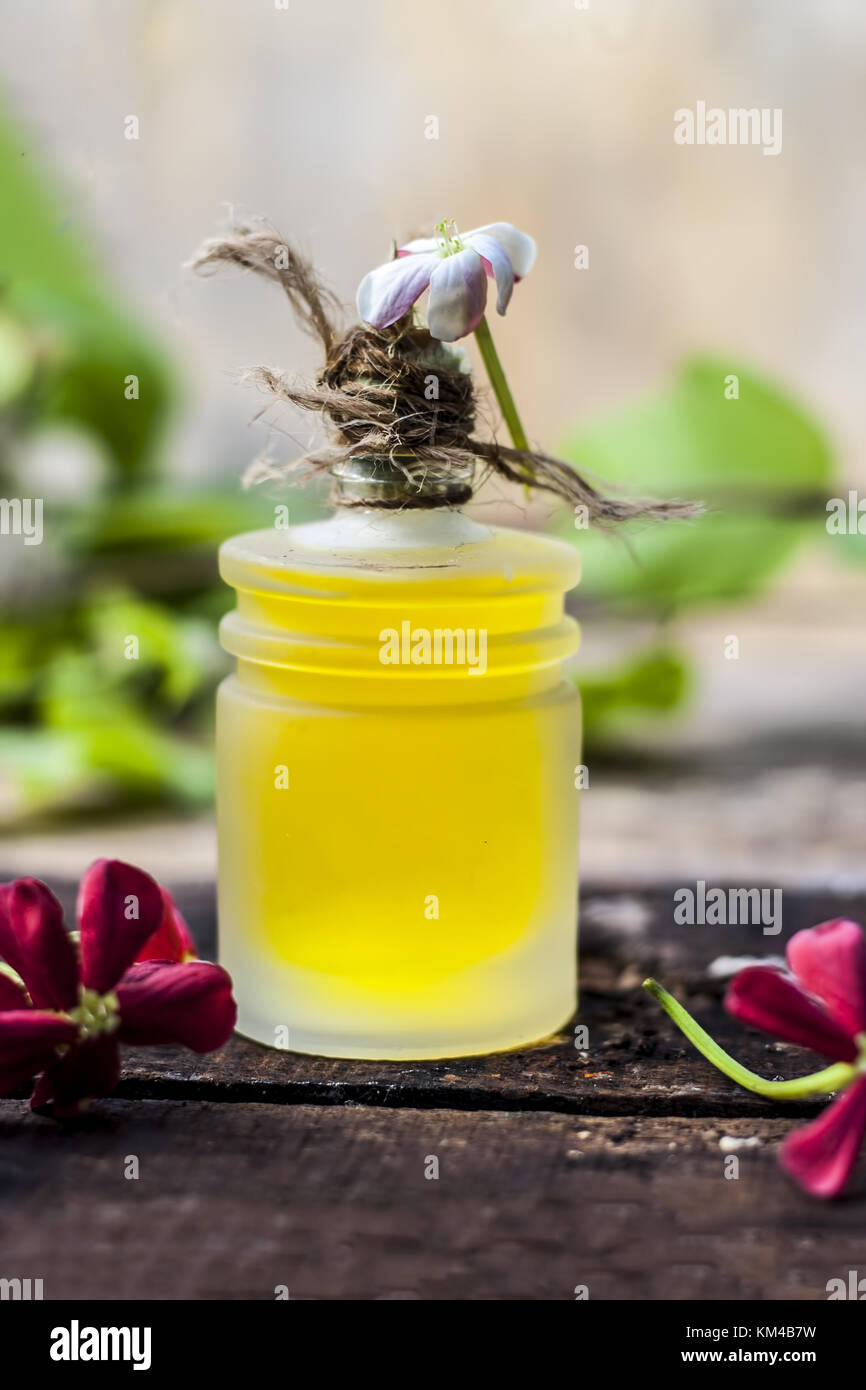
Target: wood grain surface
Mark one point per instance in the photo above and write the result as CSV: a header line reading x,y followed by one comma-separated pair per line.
x,y
602,1166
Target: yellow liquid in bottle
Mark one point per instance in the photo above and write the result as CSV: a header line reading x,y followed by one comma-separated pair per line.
x,y
398,842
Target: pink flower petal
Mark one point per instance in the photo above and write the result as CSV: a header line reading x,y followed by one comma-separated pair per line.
x,y
389,292
172,939
188,1004
520,249
87,1071
499,265
820,1156
119,908
830,961
28,1043
458,294
34,941
767,999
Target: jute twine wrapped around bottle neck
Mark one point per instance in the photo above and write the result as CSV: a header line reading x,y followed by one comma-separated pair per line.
x,y
396,394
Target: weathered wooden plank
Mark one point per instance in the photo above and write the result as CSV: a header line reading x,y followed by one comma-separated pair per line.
x,y
634,1061
233,1200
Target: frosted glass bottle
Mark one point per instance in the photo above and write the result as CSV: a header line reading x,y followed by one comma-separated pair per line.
x,y
398,836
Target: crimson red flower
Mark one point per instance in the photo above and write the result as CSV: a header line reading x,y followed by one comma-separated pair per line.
x,y
172,939
65,1008
820,1005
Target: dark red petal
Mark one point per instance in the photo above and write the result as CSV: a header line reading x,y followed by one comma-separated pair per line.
x,y
28,1043
87,1071
830,961
119,907
766,999
165,1003
34,941
12,995
820,1156
172,939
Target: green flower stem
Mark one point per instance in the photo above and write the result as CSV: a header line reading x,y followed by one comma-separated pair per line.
x,y
498,381
12,974
818,1083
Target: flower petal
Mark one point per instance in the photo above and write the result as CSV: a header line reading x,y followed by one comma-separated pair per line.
x,y
34,941
458,293
768,999
28,1043
520,249
389,291
820,1156
188,1004
830,961
172,939
119,908
87,1071
497,259
422,245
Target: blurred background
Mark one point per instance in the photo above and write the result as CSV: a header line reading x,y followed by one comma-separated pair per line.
x,y
693,327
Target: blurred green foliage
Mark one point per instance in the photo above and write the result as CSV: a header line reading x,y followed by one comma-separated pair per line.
x,y
83,726
65,344
653,681
721,434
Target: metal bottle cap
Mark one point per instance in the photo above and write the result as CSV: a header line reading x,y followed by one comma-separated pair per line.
x,y
384,481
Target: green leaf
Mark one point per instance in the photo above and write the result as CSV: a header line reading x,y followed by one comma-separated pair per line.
x,y
53,285
118,739
133,637
41,769
653,682
759,462
17,360
158,520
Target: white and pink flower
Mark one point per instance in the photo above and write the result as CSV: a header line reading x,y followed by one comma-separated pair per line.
x,y
455,266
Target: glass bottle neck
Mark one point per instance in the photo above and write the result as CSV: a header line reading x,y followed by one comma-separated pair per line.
x,y
401,482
